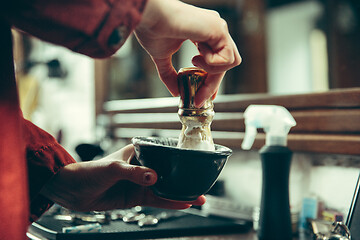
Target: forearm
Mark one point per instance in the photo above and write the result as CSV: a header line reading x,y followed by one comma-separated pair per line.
x,y
96,28
45,157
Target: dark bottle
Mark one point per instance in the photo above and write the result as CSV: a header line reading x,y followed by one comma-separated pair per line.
x,y
275,217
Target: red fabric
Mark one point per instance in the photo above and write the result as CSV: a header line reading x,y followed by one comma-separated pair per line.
x,y
28,155
82,25
44,158
13,174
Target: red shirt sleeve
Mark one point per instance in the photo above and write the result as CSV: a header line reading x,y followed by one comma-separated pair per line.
x,y
96,28
44,157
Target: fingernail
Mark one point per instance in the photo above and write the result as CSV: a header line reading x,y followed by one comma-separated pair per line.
x,y
148,177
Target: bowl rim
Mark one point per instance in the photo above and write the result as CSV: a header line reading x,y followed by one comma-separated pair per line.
x,y
141,140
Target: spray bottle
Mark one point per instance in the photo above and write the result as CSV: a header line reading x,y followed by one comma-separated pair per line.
x,y
275,217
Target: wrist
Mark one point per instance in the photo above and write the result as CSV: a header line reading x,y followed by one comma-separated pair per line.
x,y
149,16
158,15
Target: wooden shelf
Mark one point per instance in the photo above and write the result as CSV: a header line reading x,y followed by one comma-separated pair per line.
x,y
315,143
327,122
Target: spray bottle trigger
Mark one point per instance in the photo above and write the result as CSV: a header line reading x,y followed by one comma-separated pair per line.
x,y
249,138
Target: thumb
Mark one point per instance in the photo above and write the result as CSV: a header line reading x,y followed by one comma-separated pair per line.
x,y
209,88
137,174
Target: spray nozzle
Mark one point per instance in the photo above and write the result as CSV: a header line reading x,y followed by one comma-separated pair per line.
x,y
275,120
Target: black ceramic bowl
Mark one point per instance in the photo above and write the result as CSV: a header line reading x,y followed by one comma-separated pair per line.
x,y
183,174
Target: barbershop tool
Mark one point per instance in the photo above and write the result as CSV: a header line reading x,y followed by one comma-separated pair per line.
x,y
87,228
102,217
80,218
151,220
133,217
323,230
195,133
275,217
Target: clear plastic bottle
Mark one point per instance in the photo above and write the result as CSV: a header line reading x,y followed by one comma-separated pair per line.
x,y
275,216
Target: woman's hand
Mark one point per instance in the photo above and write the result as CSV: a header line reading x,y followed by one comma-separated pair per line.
x,y
165,25
109,183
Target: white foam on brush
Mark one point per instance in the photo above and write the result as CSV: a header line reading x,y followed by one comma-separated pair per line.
x,y
196,137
